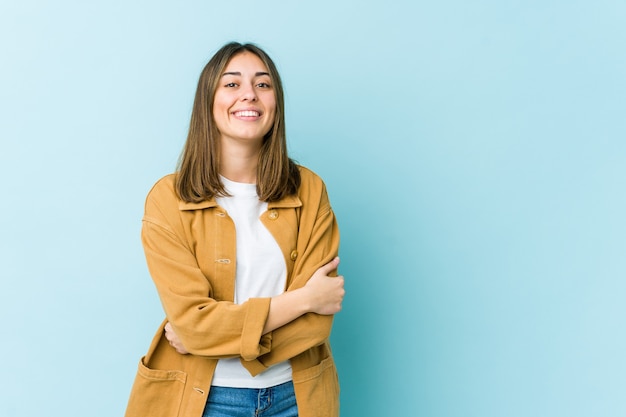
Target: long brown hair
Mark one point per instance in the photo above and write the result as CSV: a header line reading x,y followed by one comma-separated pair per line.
x,y
198,167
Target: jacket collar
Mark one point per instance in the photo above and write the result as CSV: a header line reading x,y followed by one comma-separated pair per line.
x,y
290,201
183,205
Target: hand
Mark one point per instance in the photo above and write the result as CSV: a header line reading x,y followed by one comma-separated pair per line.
x,y
324,292
175,342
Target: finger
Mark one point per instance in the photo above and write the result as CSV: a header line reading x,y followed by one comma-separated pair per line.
x,y
330,266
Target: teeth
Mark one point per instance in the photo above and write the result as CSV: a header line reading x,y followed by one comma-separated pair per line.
x,y
247,113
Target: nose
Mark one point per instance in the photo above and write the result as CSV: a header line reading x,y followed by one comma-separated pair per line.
x,y
248,93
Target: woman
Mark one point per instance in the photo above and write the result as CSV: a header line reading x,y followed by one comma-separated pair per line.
x,y
224,237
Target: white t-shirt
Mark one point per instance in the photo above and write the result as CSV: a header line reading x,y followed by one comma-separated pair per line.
x,y
260,272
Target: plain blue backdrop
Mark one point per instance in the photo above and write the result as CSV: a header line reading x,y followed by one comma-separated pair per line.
x,y
474,152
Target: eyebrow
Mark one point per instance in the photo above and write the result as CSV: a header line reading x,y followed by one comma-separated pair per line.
x,y
258,74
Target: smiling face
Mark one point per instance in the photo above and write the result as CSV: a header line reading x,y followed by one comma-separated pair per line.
x,y
244,105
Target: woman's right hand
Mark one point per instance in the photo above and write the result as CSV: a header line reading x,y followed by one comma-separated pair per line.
x,y
325,293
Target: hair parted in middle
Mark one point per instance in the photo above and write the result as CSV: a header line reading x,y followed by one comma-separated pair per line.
x,y
198,167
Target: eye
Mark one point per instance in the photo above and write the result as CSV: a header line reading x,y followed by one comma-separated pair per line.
x,y
231,85
264,85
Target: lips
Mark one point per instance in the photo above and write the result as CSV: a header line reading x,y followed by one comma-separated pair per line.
x,y
246,113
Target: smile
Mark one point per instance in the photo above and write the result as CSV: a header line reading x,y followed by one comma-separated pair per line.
x,y
247,113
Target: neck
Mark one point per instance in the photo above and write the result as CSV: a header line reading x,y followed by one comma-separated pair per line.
x,y
239,163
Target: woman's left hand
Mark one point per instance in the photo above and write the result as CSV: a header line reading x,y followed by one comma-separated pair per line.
x,y
175,342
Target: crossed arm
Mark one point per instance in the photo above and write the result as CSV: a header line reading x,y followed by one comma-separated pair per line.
x,y
322,294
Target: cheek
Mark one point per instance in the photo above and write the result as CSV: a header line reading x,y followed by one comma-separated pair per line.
x,y
221,108
270,104
222,101
219,105
220,115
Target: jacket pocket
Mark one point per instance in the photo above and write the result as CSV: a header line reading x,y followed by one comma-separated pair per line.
x,y
317,390
156,392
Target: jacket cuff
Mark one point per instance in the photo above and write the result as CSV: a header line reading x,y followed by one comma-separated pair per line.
x,y
253,342
255,367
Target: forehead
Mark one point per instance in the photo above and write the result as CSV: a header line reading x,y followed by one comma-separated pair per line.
x,y
245,62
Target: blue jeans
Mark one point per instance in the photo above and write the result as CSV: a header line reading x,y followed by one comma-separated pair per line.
x,y
278,401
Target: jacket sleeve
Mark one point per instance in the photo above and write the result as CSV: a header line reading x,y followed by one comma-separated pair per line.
x,y
318,244
206,327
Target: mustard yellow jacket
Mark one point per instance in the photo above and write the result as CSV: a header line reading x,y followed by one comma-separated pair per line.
x,y
190,251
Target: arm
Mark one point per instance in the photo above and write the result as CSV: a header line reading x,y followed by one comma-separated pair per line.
x,y
205,326
322,294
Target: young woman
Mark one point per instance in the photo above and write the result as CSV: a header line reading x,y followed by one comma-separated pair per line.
x,y
242,245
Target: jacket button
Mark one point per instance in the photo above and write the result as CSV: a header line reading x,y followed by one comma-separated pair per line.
x,y
294,255
273,215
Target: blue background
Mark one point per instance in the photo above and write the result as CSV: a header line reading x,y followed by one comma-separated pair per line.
x,y
474,152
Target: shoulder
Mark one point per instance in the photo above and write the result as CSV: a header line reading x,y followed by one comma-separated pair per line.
x,y
165,187
163,194
164,197
309,179
312,189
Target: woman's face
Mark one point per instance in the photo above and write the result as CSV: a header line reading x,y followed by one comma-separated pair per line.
x,y
244,105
